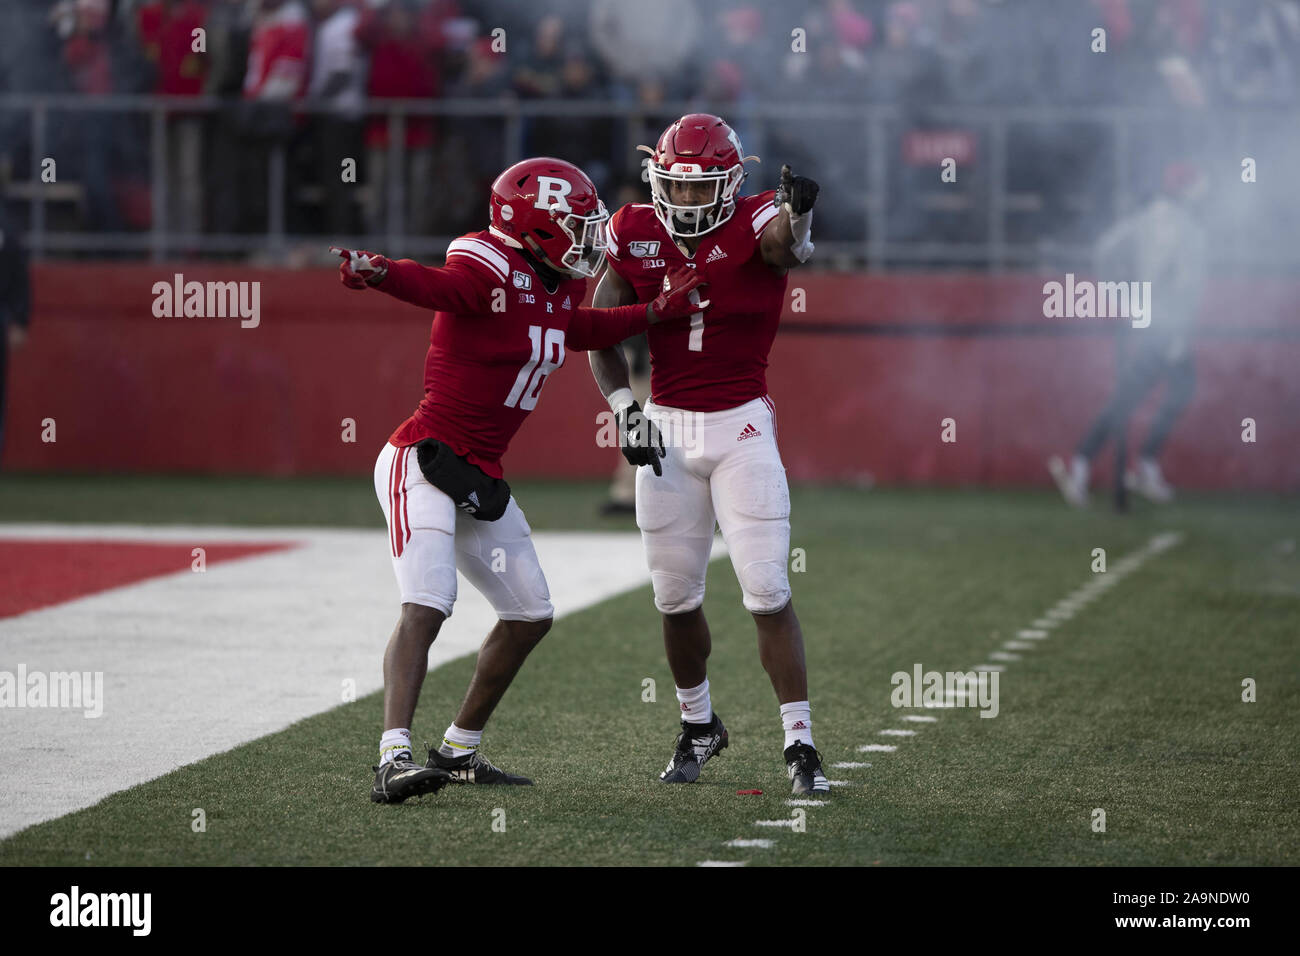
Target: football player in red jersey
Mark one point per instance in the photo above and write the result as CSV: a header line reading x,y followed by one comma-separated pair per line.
x,y
709,400
509,305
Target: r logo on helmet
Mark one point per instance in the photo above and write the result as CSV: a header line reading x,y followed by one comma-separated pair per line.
x,y
551,193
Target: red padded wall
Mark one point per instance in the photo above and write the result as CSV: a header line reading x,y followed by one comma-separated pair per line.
x,y
861,381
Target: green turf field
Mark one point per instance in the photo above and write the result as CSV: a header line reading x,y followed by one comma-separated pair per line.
x,y
1133,706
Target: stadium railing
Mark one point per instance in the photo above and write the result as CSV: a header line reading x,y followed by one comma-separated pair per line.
x,y
1116,136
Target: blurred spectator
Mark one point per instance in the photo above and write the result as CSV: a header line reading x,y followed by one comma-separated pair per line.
x,y
404,48
89,139
1255,52
230,23
338,80
166,29
277,53
560,66
906,70
542,60
649,47
477,154
275,77
15,304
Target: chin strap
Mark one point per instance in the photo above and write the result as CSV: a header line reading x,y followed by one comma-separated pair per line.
x,y
801,229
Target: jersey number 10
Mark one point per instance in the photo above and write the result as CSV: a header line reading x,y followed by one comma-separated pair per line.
x,y
529,381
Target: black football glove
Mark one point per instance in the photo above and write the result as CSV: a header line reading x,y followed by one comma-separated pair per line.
x,y
799,191
639,439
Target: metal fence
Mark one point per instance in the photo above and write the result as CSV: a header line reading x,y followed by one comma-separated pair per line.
x,y
867,134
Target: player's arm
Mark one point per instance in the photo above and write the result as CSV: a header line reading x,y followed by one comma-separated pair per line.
x,y
453,288
603,327
638,438
609,365
787,240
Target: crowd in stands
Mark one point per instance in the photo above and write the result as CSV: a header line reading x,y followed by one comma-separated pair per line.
x,y
267,58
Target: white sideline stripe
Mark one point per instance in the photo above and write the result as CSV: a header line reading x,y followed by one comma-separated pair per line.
x,y
1018,645
195,664
849,765
897,733
758,844
877,748
841,783
990,667
805,803
1032,635
1044,623
721,863
1004,656
922,720
774,823
935,703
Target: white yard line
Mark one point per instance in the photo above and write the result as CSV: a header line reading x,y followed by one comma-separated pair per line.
x,y
198,663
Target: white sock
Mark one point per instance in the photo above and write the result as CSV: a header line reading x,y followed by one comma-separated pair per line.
x,y
796,718
695,703
393,743
457,742
1080,470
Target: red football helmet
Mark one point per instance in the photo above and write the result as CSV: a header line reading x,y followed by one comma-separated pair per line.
x,y
550,208
699,147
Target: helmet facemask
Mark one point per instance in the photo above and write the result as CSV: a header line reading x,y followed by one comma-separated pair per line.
x,y
687,221
587,243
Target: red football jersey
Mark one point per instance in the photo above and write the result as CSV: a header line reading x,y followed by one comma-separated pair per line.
x,y
485,368
719,359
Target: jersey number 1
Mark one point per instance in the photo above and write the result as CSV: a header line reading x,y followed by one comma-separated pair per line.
x,y
696,342
529,381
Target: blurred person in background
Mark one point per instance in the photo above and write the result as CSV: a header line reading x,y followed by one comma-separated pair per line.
x,y
476,150
648,49
275,79
90,138
15,303
1164,243
1254,51
558,65
166,30
622,486
404,43
338,81
230,26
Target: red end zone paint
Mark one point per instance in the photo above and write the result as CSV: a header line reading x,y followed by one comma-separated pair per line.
x,y
39,573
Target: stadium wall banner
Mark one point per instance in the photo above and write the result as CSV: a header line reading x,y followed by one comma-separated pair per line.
x,y
865,373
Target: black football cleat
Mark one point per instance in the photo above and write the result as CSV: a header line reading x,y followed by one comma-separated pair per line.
x,y
804,764
403,777
695,745
474,768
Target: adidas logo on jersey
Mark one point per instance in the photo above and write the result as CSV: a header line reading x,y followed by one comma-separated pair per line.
x,y
566,304
715,255
749,431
